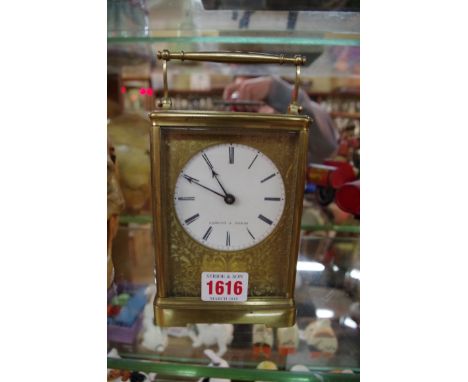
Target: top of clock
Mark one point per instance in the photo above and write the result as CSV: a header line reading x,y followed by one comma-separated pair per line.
x,y
170,117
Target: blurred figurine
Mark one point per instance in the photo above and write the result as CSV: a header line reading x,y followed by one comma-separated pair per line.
x,y
288,340
129,134
266,365
216,361
129,376
328,178
348,198
115,205
262,340
276,93
154,337
212,334
117,375
300,368
321,338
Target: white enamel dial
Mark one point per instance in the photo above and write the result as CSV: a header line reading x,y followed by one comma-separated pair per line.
x,y
229,197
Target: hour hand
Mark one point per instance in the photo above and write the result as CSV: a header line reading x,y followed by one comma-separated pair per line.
x,y
197,182
190,179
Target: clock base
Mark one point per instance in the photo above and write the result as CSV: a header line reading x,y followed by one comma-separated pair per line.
x,y
180,311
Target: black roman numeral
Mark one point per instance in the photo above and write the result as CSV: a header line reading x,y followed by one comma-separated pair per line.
x,y
250,233
272,199
231,155
266,220
191,219
253,161
207,233
186,198
268,177
228,239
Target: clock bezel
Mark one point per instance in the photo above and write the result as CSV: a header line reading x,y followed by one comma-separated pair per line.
x,y
180,310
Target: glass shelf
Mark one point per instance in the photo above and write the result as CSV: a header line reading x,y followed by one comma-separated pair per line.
x,y
194,372
327,291
136,30
156,18
187,22
269,40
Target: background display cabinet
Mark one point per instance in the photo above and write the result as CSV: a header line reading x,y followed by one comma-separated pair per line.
x,y
323,344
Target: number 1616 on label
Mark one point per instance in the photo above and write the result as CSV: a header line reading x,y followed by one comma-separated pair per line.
x,y
224,286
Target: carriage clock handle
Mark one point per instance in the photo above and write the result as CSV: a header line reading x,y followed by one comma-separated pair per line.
x,y
233,57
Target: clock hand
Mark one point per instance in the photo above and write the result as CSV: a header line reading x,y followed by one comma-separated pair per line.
x,y
216,177
193,180
214,174
228,198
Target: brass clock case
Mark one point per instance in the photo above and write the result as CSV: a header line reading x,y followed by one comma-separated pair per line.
x,y
176,137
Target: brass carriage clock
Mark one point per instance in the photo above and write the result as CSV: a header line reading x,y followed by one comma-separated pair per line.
x,y
227,203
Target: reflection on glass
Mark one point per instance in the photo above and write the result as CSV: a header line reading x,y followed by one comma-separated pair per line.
x,y
355,274
313,266
324,313
350,323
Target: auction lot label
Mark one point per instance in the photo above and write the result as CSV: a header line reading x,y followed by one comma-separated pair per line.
x,y
224,286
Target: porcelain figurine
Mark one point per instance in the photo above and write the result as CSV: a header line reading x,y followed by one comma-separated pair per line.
x,y
212,334
288,340
155,338
321,338
216,361
262,340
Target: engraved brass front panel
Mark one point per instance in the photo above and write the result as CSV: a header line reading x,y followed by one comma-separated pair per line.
x,y
267,262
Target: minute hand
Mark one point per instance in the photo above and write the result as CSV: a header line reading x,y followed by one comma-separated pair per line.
x,y
213,172
216,177
193,180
